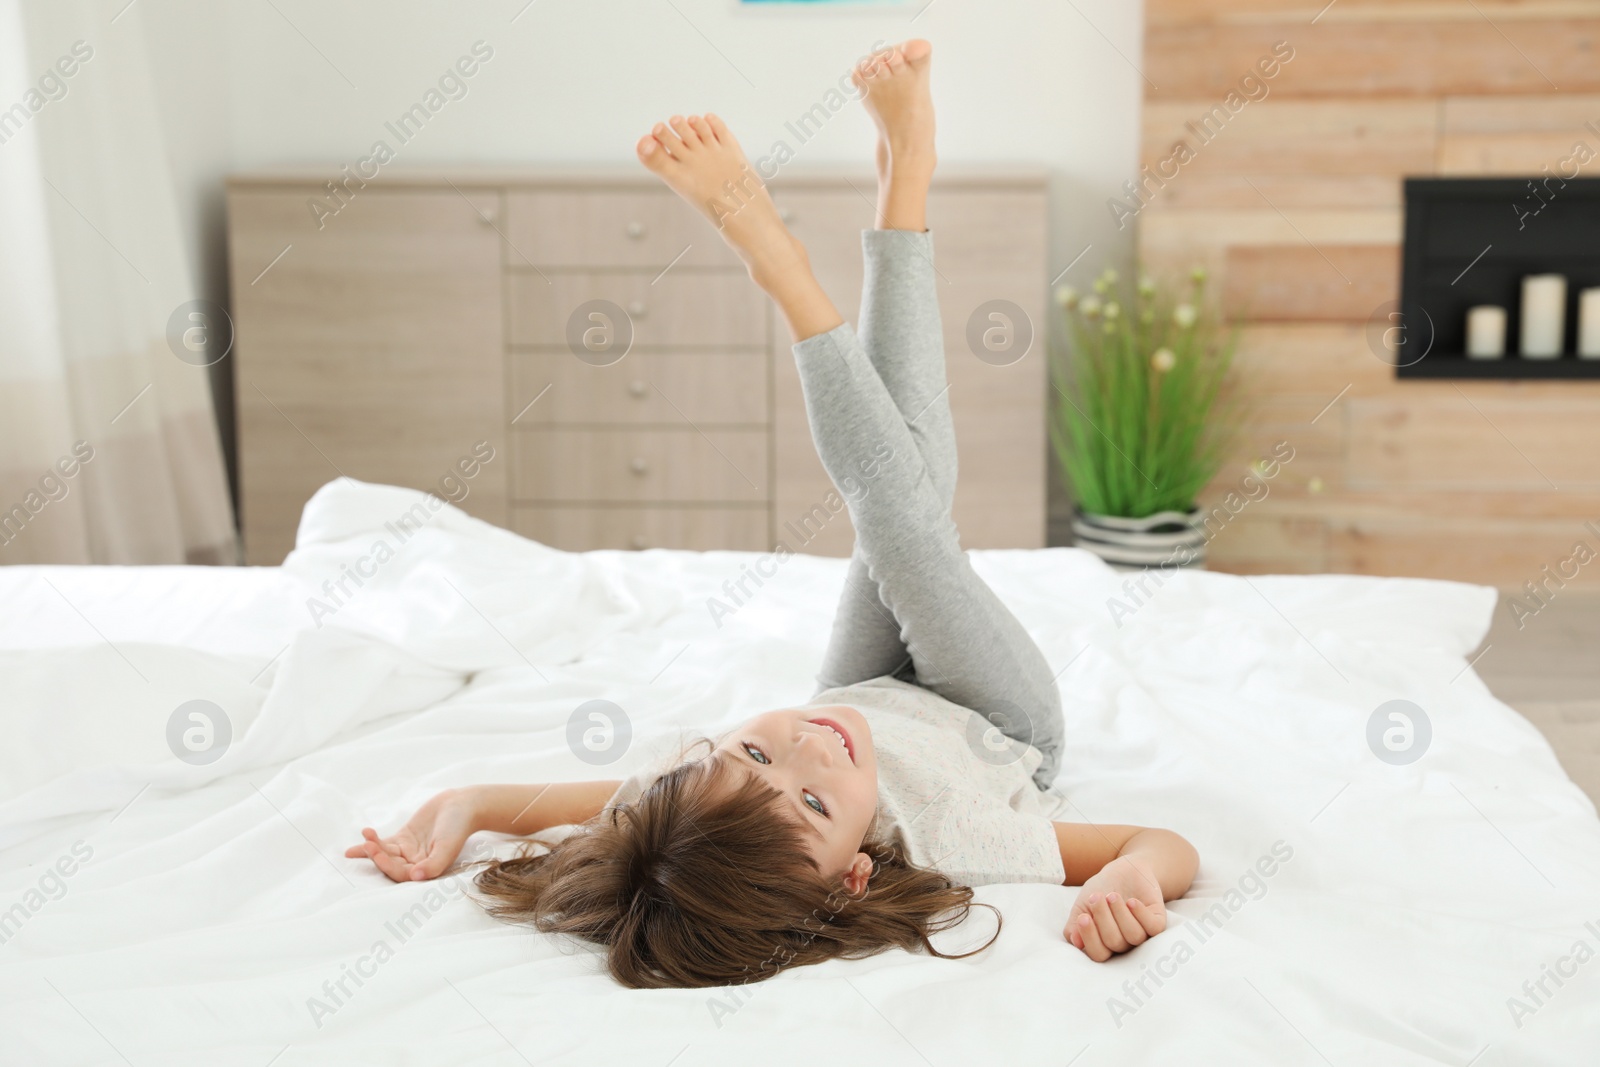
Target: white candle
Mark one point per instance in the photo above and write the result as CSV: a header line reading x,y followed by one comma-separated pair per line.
x,y
1544,313
1486,332
1589,324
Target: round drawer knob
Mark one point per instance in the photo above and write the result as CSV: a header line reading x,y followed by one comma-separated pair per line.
x,y
635,231
637,309
638,387
639,541
639,466
785,214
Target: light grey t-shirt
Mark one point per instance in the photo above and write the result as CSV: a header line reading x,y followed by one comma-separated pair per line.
x,y
954,794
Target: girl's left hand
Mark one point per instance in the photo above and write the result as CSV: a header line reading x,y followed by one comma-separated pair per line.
x,y
1117,909
426,846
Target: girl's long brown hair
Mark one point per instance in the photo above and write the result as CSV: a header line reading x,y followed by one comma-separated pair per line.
x,y
706,880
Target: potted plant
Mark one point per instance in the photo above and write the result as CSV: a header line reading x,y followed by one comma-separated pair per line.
x,y
1140,422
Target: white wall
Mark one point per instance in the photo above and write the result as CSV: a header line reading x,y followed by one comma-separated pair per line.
x,y
579,80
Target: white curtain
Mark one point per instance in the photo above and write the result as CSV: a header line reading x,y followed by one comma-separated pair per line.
x,y
109,450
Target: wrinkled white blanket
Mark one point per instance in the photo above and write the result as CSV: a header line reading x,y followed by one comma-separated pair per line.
x,y
1348,910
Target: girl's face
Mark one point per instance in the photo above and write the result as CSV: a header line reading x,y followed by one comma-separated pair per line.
x,y
822,761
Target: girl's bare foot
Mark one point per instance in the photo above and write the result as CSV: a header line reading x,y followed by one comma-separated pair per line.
x,y
894,86
699,160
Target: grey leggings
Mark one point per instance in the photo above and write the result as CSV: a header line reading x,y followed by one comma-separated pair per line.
x,y
912,605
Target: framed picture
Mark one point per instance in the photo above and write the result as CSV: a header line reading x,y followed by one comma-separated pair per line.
x,y
833,4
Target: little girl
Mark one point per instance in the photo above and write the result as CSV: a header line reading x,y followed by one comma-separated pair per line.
x,y
861,820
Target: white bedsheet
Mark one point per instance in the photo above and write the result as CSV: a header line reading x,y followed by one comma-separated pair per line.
x,y
209,909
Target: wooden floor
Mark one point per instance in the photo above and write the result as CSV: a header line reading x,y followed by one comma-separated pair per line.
x,y
1549,670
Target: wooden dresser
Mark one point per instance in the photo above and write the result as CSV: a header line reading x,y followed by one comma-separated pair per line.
x,y
636,388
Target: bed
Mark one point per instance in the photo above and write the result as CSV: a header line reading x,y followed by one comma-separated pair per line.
x,y
1354,905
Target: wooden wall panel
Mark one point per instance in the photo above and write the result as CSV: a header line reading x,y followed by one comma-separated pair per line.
x,y
1467,155
1292,138
1430,478
1320,360
1346,58
1565,113
1286,192
1261,544
1317,464
1184,12
1505,554
1285,283
1460,508
1400,442
1171,242
1264,226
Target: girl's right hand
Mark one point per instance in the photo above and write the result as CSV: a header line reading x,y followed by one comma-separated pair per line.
x,y
1118,908
427,845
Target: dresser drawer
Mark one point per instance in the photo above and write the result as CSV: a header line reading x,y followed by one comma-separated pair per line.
x,y
579,529
687,310
637,466
703,389
641,228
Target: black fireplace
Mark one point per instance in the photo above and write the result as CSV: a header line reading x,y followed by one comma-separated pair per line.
x,y
1471,241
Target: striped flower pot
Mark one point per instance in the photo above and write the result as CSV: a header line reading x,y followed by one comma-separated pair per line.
x,y
1165,539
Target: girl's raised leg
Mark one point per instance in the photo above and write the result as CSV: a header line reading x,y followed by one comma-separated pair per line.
x,y
900,330
963,642
700,160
